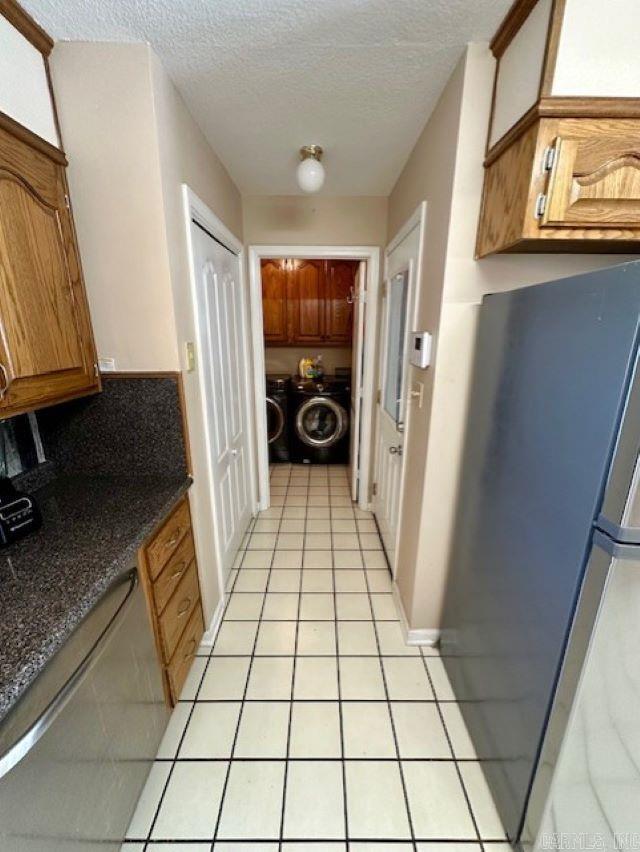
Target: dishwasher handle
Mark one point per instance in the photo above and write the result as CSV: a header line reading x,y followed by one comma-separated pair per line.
x,y
18,750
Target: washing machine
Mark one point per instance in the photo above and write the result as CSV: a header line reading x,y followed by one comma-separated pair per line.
x,y
278,385
319,421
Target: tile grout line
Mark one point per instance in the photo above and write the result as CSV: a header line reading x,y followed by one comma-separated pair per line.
x,y
389,711
453,754
345,806
291,693
242,704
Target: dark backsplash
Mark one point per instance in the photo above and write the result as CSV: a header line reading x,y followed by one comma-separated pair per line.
x,y
133,428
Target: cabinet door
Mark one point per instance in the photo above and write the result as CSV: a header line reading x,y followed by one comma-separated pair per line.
x,y
340,291
306,301
595,180
274,302
46,345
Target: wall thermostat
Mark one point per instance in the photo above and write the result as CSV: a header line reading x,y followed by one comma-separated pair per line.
x,y
421,349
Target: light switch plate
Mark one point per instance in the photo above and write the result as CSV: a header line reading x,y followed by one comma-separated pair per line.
x,y
190,355
417,393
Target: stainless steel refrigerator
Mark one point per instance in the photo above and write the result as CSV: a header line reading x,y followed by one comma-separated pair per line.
x,y
548,518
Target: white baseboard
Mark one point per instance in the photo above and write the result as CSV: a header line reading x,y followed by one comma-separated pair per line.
x,y
210,634
413,636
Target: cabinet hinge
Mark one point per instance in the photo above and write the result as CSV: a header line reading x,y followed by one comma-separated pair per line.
x,y
541,205
378,397
96,370
549,158
67,201
374,489
384,289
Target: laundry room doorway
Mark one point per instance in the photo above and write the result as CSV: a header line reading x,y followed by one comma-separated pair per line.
x,y
314,315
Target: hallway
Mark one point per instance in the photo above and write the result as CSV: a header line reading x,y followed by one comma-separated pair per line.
x,y
310,724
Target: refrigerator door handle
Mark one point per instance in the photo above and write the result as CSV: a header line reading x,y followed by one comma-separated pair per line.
x,y
623,534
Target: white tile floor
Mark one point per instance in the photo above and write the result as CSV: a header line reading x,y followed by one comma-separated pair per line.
x,y
310,724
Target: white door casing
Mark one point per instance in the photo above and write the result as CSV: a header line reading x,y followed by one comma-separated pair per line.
x,y
357,376
220,319
371,256
403,263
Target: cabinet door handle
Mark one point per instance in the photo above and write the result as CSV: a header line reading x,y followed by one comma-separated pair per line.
x,y
184,606
179,570
6,381
190,649
174,538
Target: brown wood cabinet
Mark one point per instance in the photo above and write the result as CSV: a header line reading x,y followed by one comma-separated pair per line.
x,y
565,174
339,296
567,184
47,352
169,575
308,301
274,302
305,301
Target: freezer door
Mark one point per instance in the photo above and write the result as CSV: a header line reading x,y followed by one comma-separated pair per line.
x,y
587,789
553,368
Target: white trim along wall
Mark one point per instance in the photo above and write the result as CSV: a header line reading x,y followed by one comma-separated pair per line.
x,y
196,210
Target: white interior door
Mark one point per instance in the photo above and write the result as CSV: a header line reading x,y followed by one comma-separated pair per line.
x,y
356,377
396,326
224,369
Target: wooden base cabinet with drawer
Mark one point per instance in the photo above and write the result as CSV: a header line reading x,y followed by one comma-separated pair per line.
x,y
169,573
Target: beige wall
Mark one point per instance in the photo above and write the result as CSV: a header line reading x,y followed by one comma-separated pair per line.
x,y
285,359
103,94
459,283
186,157
131,143
319,220
429,175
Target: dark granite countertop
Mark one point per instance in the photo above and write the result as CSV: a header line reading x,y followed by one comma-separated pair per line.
x,y
92,529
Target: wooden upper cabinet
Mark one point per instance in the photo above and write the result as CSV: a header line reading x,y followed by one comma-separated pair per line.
x,y
340,292
274,302
562,168
594,178
306,295
46,345
308,302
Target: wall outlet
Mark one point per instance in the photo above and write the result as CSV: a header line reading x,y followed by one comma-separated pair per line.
x,y
107,365
190,356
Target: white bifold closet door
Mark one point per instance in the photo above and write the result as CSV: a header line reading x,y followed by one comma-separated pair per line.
x,y
222,330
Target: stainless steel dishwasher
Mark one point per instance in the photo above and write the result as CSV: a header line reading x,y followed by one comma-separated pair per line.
x,y
76,749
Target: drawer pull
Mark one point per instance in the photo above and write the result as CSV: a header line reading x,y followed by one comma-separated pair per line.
x,y
184,606
179,571
190,649
174,538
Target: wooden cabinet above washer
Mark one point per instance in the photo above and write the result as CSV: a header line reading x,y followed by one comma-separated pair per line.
x,y
308,301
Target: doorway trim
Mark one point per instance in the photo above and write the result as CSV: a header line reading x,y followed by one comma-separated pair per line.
x,y
370,254
418,219
194,209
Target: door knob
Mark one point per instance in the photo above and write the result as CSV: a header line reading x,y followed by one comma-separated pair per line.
x,y
396,451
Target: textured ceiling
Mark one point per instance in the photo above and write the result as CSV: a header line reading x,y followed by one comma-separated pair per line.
x,y
263,77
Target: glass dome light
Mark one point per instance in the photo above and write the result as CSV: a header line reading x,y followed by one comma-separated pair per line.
x,y
310,172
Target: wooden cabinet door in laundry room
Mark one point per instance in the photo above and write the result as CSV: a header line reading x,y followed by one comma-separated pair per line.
x,y
339,296
306,295
274,302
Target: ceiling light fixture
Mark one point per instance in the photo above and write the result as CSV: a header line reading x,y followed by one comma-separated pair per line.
x,y
310,172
